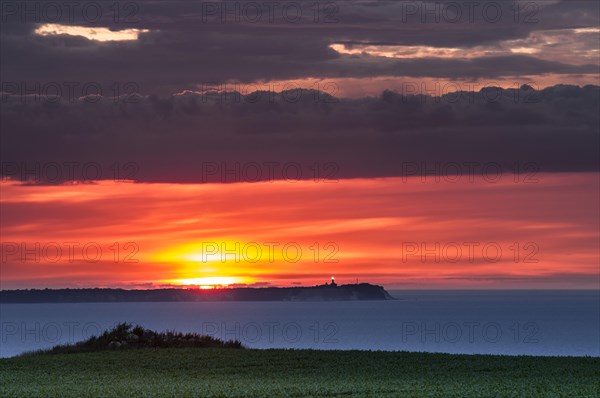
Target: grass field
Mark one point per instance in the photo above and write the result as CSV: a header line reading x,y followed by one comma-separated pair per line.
x,y
222,372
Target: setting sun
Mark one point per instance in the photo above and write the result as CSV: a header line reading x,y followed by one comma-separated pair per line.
x,y
209,282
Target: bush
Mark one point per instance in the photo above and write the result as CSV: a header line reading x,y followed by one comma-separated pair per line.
x,y
126,336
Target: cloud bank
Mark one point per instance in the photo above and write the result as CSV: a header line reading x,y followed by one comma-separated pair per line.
x,y
213,136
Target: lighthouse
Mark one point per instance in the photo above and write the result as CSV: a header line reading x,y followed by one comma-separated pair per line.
x,y
333,281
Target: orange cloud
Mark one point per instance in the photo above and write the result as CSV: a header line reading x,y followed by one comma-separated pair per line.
x,y
392,231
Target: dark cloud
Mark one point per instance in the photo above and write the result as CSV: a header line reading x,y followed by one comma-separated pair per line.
x,y
169,137
185,47
195,138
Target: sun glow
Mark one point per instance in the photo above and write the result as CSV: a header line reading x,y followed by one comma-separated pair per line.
x,y
204,252
218,260
226,251
211,282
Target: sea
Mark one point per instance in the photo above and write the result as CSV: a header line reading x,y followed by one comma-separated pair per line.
x,y
516,322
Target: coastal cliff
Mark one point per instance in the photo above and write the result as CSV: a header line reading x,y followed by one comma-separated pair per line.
x,y
362,291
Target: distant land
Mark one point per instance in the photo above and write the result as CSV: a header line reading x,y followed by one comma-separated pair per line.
x,y
327,292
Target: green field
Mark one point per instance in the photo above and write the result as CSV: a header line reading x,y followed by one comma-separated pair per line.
x,y
222,372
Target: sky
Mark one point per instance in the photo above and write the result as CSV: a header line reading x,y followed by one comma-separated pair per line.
x,y
410,144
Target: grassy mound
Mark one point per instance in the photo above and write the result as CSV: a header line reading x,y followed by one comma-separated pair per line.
x,y
126,336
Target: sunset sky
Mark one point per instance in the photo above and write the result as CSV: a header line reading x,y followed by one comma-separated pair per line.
x,y
476,234
410,144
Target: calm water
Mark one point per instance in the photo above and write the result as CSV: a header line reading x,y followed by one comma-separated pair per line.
x,y
530,323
